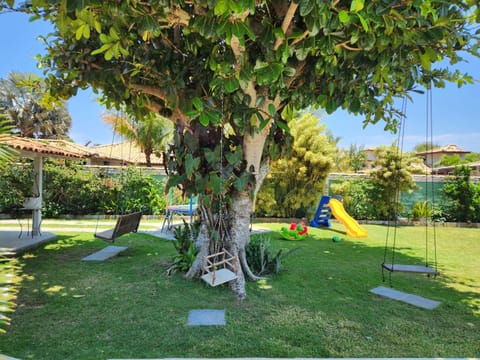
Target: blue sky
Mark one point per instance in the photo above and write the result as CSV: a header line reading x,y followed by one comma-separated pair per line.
x,y
456,118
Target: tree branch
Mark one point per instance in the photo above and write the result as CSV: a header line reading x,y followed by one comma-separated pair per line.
x,y
150,90
177,115
344,45
298,71
287,20
297,40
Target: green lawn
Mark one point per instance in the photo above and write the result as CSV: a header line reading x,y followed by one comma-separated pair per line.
x,y
319,306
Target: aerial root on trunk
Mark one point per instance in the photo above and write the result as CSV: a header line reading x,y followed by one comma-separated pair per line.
x,y
246,268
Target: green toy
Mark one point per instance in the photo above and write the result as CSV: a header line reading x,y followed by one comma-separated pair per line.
x,y
335,238
295,232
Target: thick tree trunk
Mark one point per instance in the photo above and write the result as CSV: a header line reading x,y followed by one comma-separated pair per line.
x,y
240,210
237,221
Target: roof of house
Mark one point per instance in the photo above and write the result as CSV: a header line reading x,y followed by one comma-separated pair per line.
x,y
31,147
127,151
448,149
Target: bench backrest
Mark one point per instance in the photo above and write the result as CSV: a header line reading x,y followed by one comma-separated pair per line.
x,y
126,224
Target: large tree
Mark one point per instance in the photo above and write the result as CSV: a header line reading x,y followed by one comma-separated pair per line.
x,y
229,73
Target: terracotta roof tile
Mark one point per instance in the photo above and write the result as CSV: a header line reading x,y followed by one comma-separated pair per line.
x,y
38,147
127,151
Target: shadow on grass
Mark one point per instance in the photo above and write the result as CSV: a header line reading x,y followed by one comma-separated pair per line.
x,y
319,306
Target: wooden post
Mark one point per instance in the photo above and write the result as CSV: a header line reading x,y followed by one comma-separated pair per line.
x,y
37,192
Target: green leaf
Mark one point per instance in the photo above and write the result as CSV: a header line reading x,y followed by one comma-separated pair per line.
x,y
98,26
241,182
357,5
278,32
191,164
204,119
363,22
344,16
221,7
427,58
113,34
79,32
108,54
235,157
212,156
271,110
191,141
86,31
231,84
197,103
306,7
283,125
267,72
104,48
215,183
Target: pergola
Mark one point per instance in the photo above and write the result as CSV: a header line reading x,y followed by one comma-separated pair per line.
x,y
38,150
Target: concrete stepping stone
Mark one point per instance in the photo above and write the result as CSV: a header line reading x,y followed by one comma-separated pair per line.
x,y
405,297
205,317
105,253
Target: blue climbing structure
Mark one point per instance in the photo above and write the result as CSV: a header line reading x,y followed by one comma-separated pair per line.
x,y
323,213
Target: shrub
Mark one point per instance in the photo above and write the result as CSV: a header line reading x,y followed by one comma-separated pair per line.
x,y
360,198
463,195
184,242
16,183
261,258
422,210
72,190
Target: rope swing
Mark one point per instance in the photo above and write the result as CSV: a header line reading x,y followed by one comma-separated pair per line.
x,y
389,258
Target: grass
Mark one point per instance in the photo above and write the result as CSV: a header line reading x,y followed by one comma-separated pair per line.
x,y
319,306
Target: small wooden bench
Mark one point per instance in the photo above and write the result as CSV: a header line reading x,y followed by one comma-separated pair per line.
x,y
125,224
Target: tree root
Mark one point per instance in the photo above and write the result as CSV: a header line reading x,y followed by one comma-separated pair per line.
x,y
246,268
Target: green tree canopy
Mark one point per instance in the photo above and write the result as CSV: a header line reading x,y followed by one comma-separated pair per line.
x,y
357,157
230,74
421,147
393,174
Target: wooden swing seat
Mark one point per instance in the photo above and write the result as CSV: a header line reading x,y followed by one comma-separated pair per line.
x,y
418,269
125,224
219,268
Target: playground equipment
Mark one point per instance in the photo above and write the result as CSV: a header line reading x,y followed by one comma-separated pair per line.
x,y
295,231
330,205
322,215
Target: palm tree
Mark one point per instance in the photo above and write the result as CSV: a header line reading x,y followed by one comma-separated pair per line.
x,y
22,98
7,154
150,133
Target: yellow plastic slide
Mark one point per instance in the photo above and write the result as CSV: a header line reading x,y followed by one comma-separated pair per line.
x,y
353,229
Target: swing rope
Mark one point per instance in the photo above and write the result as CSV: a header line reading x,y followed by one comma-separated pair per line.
x,y
429,142
394,209
392,266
